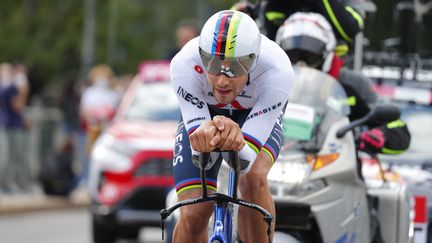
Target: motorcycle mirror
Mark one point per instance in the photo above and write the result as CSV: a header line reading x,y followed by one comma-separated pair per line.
x,y
380,114
384,113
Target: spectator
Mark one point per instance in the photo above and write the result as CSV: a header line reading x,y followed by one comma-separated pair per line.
x,y
186,31
3,149
69,104
12,103
21,81
75,134
98,104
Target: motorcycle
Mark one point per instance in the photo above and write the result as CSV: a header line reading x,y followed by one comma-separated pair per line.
x,y
319,192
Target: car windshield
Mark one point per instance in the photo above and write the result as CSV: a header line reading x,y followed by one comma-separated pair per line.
x,y
419,120
317,102
154,102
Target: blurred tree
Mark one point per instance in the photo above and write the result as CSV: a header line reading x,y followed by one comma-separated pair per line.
x,y
88,37
46,35
42,34
388,23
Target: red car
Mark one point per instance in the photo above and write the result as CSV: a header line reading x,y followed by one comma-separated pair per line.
x,y
131,163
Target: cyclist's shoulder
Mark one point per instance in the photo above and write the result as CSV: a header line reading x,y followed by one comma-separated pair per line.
x,y
189,51
272,53
272,59
187,59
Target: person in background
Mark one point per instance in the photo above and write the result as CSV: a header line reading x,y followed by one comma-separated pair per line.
x,y
12,103
98,104
185,31
346,21
307,38
21,81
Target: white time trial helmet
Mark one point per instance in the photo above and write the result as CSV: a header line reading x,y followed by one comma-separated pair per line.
x,y
229,43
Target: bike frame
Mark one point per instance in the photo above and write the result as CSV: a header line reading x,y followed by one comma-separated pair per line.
x,y
223,215
223,204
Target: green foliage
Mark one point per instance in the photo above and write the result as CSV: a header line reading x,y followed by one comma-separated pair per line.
x,y
47,35
44,35
388,22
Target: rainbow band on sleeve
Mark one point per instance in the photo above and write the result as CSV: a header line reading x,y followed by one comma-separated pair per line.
x,y
194,183
225,34
270,151
252,142
256,146
192,129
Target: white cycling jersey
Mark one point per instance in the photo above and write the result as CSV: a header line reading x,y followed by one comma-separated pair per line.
x,y
265,94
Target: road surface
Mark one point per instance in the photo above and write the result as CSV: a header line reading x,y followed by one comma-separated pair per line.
x,y
57,226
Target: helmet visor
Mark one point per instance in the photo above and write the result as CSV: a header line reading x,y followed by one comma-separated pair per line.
x,y
304,42
230,66
310,58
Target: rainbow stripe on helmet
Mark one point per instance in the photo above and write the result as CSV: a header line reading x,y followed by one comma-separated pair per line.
x,y
224,41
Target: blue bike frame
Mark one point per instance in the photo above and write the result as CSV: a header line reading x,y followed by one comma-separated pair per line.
x,y
223,212
224,204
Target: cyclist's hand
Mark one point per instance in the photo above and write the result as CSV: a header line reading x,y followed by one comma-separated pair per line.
x,y
201,137
231,136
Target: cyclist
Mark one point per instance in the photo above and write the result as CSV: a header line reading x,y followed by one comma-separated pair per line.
x,y
232,84
307,38
345,20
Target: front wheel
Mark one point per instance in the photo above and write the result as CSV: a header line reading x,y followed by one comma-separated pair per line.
x,y
103,232
281,237
429,232
129,233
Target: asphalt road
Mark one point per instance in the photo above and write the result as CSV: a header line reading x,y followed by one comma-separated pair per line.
x,y
57,226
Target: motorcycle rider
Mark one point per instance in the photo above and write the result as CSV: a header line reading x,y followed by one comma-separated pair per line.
x,y
345,20
308,38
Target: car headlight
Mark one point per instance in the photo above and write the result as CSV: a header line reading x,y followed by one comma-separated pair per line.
x,y
113,154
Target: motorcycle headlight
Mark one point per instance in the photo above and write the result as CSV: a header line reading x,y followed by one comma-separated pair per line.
x,y
305,188
291,176
289,172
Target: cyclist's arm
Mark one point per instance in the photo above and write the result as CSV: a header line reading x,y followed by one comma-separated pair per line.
x,y
266,112
190,95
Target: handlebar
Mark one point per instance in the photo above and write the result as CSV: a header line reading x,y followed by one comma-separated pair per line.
x,y
234,162
219,198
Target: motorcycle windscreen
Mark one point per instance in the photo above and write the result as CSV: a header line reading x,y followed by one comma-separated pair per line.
x,y
317,101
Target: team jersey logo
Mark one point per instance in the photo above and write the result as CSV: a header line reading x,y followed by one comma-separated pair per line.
x,y
198,69
190,98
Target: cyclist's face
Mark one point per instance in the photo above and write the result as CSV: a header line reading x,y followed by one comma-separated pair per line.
x,y
226,89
